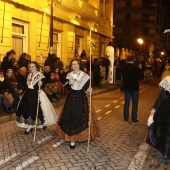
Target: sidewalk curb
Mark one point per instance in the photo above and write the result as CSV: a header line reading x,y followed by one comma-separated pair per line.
x,y
139,159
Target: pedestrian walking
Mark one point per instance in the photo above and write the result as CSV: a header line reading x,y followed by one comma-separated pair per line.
x,y
73,122
159,120
131,75
27,107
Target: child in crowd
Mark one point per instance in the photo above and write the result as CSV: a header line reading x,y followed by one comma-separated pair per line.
x,y
56,76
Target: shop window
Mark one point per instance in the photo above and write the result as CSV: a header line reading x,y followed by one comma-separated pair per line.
x,y
78,44
57,44
19,37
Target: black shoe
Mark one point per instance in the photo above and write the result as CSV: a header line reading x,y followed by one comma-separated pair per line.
x,y
72,146
44,128
126,121
9,110
164,156
30,131
135,122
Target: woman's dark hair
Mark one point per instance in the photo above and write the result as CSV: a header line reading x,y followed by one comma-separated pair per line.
x,y
36,64
7,54
22,55
72,62
1,71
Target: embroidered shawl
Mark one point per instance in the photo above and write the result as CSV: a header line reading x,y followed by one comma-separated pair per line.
x,y
82,78
32,80
165,83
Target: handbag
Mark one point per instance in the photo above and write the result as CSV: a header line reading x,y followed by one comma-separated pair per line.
x,y
150,139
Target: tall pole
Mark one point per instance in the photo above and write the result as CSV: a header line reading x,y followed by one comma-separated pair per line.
x,y
89,133
51,37
140,46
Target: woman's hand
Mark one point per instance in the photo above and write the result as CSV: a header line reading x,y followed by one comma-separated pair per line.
x,y
40,83
6,93
72,81
152,112
89,90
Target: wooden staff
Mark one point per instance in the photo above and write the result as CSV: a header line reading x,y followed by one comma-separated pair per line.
x,y
88,144
35,131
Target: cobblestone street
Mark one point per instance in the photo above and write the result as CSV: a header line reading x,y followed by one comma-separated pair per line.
x,y
120,147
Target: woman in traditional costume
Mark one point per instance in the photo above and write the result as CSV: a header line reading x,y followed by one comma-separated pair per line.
x,y
74,118
159,132
27,107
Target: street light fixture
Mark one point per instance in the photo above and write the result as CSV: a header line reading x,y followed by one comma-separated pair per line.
x,y
140,41
162,53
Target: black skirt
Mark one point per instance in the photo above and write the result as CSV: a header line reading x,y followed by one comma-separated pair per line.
x,y
75,115
159,133
27,109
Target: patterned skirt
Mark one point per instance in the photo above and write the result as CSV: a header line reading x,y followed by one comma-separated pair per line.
x,y
73,123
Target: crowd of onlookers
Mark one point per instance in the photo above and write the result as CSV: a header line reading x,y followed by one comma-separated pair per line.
x,y
13,76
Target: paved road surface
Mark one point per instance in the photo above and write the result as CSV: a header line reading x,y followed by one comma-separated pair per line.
x,y
121,145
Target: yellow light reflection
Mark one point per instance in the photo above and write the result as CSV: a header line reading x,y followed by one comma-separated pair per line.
x,y
75,22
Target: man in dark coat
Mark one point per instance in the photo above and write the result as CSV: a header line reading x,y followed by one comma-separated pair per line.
x,y
131,75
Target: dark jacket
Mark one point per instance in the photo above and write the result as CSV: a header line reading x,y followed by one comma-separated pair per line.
x,y
7,64
22,82
3,88
131,75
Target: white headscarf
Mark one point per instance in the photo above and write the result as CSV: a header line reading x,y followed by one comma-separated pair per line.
x,y
165,83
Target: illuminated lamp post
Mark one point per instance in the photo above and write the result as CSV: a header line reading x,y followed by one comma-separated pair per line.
x,y
140,41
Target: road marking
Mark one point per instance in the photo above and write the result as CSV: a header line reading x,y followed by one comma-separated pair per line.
x,y
58,143
26,163
44,139
115,101
123,102
117,106
121,98
140,157
107,105
108,112
98,110
8,158
99,118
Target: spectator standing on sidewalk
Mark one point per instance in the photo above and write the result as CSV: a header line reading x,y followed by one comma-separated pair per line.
x,y
131,75
159,133
73,122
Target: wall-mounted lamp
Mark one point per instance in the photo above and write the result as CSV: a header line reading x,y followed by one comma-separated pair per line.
x,y
77,16
95,24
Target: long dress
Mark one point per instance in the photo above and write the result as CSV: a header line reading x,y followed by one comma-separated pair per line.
x,y
159,133
73,121
27,107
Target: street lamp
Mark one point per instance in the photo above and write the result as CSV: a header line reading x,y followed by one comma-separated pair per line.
x,y
162,53
140,41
